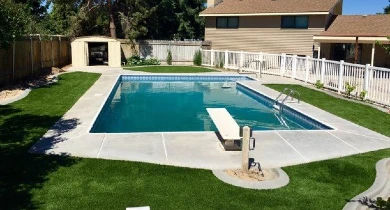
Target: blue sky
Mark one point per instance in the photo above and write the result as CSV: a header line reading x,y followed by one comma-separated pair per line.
x,y
361,7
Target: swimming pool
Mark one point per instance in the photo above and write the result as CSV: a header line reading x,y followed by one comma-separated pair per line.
x,y
158,103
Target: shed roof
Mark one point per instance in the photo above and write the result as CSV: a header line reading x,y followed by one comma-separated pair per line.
x,y
270,6
359,26
95,39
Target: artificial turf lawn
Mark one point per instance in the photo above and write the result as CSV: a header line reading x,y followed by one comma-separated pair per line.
x,y
30,181
170,69
360,114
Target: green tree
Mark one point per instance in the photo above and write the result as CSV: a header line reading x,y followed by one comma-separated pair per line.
x,y
387,9
133,15
90,19
191,26
15,19
163,24
60,17
37,8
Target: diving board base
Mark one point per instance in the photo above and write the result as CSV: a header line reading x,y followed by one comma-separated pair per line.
x,y
229,145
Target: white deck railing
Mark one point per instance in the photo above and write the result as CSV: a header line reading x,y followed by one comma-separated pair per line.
x,y
374,81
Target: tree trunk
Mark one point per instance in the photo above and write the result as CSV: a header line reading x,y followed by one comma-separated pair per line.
x,y
111,16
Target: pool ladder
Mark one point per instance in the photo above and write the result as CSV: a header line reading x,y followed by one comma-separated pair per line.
x,y
289,93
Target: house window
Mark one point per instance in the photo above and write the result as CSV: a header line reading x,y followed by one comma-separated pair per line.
x,y
227,22
300,22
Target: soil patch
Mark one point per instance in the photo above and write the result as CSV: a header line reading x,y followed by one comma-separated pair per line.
x,y
15,90
253,174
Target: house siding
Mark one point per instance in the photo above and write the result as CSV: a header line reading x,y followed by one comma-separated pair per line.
x,y
263,34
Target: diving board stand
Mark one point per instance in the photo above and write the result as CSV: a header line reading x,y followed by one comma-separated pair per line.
x,y
228,128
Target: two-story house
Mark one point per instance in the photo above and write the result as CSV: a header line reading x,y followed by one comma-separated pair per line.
x,y
301,27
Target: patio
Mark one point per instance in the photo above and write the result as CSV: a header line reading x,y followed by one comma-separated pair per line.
x,y
273,148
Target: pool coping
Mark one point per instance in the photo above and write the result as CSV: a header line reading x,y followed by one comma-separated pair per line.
x,y
274,148
238,82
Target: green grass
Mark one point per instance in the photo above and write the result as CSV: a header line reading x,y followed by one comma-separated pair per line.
x,y
170,69
360,114
59,182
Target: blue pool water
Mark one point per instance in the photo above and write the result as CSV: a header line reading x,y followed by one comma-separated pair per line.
x,y
167,103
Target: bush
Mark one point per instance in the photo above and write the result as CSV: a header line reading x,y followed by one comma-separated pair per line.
x,y
362,95
319,84
219,63
135,60
349,88
383,204
169,57
198,58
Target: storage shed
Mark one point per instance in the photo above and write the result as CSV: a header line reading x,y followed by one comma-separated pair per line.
x,y
96,51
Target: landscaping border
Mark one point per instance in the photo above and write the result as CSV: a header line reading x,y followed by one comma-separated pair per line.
x,y
380,184
26,92
281,181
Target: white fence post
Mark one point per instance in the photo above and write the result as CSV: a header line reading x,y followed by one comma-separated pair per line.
x,y
261,58
322,70
241,59
366,79
294,66
283,64
341,75
212,57
307,68
226,59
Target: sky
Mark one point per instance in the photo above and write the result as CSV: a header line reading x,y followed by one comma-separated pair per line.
x,y
363,7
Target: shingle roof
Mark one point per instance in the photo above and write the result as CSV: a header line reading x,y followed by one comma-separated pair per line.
x,y
358,25
270,6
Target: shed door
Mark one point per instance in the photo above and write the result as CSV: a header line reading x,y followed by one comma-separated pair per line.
x,y
86,51
114,54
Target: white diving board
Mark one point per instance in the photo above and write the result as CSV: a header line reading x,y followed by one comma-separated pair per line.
x,y
226,125
139,208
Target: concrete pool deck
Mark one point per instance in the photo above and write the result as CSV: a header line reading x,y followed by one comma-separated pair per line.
x,y
70,135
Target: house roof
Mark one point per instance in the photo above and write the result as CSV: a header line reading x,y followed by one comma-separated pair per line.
x,y
359,26
270,6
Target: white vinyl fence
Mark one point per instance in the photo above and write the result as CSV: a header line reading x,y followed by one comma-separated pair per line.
x,y
182,51
334,75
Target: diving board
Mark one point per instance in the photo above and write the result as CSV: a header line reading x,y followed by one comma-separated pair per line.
x,y
226,125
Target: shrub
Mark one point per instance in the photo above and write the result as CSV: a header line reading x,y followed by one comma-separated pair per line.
x,y
319,84
198,58
169,57
349,88
135,60
362,95
382,204
219,63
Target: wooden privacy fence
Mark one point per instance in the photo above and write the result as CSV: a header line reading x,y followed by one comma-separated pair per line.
x,y
33,55
182,51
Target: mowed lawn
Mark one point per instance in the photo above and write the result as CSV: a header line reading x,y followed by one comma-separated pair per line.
x,y
30,181
358,113
170,69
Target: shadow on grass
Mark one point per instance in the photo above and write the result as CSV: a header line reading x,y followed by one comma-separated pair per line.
x,y
21,172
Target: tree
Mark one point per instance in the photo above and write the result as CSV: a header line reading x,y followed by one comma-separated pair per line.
x,y
387,9
37,8
163,24
15,19
133,16
90,19
59,21
191,25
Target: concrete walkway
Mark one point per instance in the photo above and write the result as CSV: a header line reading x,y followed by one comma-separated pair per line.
x,y
201,149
